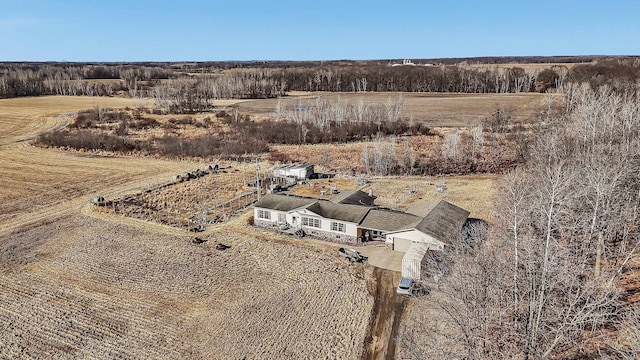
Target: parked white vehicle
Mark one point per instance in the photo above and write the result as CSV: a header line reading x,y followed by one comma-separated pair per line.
x,y
405,287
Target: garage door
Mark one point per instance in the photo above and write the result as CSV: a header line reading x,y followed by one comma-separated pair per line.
x,y
400,244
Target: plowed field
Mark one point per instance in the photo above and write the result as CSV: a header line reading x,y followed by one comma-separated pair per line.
x,y
81,287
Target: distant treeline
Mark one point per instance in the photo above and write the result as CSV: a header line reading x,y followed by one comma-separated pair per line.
x,y
187,87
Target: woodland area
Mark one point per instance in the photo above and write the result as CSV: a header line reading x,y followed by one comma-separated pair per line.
x,y
556,276
186,87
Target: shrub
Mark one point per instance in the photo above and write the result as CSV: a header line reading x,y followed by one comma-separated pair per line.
x,y
85,119
144,123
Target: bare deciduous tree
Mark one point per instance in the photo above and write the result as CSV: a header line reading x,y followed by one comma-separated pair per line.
x,y
547,282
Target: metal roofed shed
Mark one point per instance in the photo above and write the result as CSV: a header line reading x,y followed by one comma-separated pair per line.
x,y
296,171
412,261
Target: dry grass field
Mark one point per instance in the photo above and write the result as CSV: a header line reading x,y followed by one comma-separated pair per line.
x,y
431,109
22,118
35,179
418,195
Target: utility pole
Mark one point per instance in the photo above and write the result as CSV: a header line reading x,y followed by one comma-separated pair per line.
x,y
258,188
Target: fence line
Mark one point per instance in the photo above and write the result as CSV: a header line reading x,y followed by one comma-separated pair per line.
x,y
184,219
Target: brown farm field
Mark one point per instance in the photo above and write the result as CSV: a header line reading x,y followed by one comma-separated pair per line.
x,y
22,118
36,180
80,283
431,109
81,287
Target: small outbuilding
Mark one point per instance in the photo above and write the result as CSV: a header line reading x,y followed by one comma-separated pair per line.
x,y
295,171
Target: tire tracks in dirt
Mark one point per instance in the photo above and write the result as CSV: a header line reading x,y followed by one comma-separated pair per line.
x,y
385,318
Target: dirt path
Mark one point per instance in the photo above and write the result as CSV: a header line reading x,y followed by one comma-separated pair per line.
x,y
387,311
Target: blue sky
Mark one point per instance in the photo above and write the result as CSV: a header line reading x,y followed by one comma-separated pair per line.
x,y
140,30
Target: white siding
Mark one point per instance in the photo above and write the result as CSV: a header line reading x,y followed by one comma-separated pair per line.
x,y
299,171
417,237
400,244
282,217
273,215
351,229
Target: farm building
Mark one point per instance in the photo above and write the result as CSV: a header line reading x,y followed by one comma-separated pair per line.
x,y
296,171
352,217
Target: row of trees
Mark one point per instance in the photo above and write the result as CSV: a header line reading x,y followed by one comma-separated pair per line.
x,y
454,153
116,130
547,281
168,146
192,94
451,78
175,87
324,112
35,79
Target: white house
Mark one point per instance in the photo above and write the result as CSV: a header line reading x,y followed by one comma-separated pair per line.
x,y
335,219
352,217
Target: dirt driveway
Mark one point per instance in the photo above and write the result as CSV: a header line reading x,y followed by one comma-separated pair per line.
x,y
387,311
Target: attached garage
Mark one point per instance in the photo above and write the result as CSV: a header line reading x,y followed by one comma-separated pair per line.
x,y
403,240
400,244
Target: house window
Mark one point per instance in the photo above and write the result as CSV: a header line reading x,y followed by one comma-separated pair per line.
x,y
311,222
264,214
282,217
336,226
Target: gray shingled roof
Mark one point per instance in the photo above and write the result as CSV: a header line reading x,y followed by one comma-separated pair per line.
x,y
344,212
389,220
443,221
355,197
283,202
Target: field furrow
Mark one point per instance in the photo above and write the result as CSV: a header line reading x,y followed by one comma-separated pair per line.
x,y
93,289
